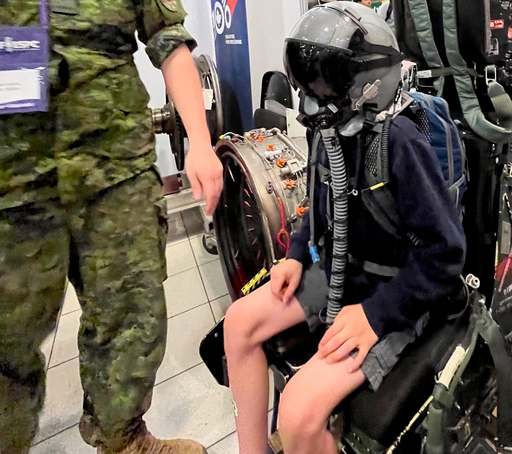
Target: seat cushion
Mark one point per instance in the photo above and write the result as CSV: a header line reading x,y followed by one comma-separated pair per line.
x,y
295,345
384,414
268,119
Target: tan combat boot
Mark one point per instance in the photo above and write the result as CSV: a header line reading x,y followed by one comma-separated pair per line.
x,y
145,443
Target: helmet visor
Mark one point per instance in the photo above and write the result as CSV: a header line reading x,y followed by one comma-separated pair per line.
x,y
320,71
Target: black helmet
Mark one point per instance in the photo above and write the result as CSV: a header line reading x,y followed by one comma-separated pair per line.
x,y
344,50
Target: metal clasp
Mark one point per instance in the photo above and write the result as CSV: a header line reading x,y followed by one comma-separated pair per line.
x,y
472,281
491,74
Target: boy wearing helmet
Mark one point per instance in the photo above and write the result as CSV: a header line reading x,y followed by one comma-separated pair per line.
x,y
373,290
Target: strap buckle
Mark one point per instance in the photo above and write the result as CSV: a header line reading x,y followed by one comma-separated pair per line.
x,y
491,74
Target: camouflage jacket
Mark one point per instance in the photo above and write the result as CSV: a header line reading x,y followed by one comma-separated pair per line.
x,y
98,131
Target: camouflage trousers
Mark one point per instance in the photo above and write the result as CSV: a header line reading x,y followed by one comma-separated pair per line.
x,y
113,250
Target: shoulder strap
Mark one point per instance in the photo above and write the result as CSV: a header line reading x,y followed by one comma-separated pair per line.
x,y
421,17
458,69
376,197
464,85
389,11
382,206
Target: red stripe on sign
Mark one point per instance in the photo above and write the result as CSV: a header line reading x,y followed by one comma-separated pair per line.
x,y
231,4
497,24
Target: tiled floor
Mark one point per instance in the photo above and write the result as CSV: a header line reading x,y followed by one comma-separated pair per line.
x,y
187,401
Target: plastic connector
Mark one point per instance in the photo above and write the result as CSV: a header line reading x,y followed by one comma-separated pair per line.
x,y
314,254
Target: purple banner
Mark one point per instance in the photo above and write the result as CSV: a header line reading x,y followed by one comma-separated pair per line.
x,y
24,60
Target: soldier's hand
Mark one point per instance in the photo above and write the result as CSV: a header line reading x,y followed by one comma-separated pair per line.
x,y
204,170
183,84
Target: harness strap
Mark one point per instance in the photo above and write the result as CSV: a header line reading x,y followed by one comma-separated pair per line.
x,y
374,268
314,157
467,96
445,71
423,25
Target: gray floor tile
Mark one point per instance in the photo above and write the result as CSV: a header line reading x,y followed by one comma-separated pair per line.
x,y
192,405
184,291
66,347
200,253
67,442
194,222
70,300
220,306
184,335
63,405
228,445
179,258
177,230
213,280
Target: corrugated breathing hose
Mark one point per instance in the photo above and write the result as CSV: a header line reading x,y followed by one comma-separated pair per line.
x,y
339,185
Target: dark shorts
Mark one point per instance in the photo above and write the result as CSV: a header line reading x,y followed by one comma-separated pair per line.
x,y
312,296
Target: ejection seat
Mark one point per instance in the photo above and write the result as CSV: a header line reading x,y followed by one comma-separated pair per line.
x,y
374,420
276,97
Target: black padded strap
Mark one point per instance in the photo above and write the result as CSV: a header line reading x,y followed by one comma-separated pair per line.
x,y
382,206
364,64
389,12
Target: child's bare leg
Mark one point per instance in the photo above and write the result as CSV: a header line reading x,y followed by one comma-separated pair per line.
x,y
250,322
308,401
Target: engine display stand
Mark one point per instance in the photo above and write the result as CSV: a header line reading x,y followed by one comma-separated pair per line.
x,y
183,200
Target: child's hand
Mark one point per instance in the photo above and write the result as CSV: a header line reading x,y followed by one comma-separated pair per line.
x,y
350,331
285,278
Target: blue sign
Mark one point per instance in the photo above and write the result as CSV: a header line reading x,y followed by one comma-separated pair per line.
x,y
233,63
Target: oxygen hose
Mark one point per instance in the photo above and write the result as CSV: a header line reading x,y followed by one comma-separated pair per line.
x,y
339,184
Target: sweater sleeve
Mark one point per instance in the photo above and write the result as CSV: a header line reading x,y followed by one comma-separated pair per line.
x,y
432,266
299,242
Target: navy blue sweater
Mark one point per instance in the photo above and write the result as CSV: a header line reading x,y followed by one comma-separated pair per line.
x,y
428,271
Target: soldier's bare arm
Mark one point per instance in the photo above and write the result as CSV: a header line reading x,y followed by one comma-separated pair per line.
x,y
204,169
169,47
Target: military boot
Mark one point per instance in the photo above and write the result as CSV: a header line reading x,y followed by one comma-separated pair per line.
x,y
146,443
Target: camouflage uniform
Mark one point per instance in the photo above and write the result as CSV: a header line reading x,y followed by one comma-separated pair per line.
x,y
79,197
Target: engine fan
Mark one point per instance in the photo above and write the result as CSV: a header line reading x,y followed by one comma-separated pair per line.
x,y
262,203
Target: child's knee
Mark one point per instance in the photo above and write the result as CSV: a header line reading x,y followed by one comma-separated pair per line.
x,y
299,418
238,324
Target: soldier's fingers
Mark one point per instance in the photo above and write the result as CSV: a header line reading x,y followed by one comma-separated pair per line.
x,y
211,195
197,189
217,190
219,184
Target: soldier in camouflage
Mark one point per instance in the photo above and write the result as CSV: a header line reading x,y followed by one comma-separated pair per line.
x,y
80,198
